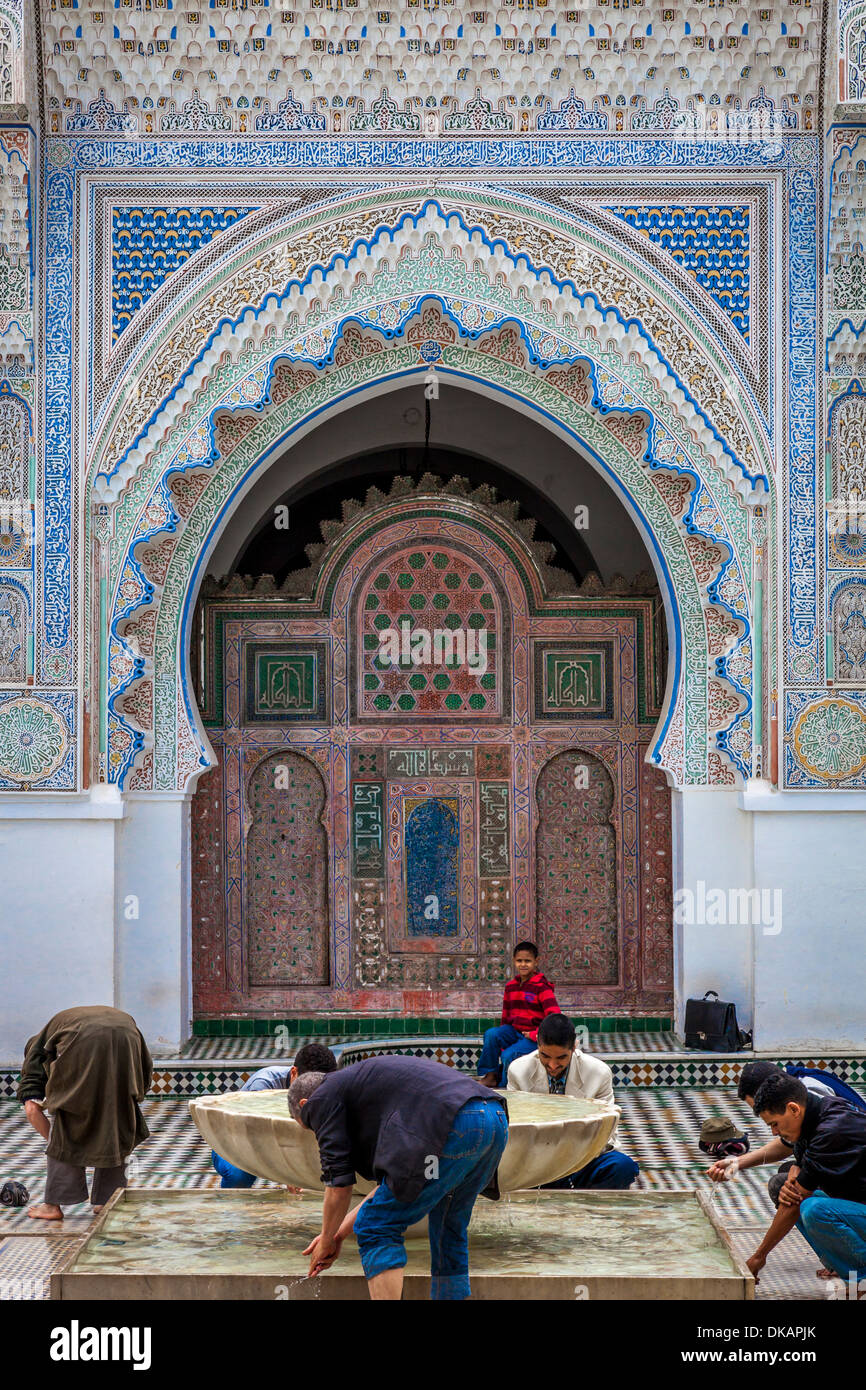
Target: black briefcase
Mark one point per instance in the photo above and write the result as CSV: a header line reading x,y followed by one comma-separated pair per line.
x,y
711,1025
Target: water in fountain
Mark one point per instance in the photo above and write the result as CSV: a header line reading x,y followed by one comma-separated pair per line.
x,y
607,1234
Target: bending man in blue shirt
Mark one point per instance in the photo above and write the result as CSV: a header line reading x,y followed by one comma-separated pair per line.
x,y
311,1057
824,1194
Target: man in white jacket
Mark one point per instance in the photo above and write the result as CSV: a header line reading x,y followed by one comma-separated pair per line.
x,y
560,1068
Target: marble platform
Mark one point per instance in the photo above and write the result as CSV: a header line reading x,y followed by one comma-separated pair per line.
x,y
243,1246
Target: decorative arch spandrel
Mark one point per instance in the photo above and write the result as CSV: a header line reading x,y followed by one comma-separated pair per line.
x,y
355,323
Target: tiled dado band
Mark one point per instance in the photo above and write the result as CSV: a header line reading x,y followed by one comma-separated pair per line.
x,y
228,1070
358,1027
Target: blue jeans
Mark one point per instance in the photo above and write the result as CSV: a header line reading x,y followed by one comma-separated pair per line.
x,y
836,1231
467,1164
231,1176
501,1046
612,1171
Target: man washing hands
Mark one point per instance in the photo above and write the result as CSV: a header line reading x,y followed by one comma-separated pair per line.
x,y
430,1137
824,1193
337,1223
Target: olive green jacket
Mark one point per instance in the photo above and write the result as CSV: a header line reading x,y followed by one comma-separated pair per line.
x,y
92,1068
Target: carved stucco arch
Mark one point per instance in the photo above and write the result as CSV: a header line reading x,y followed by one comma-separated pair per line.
x,y
608,821
852,64
672,469
277,266
689,614
173,603
10,57
313,919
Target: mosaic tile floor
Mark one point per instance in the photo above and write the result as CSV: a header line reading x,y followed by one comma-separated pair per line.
x,y
271,1049
659,1127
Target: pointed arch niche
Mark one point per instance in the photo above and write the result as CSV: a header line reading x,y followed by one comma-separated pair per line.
x,y
425,687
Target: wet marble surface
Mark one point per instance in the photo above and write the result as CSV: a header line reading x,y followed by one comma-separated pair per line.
x,y
639,1235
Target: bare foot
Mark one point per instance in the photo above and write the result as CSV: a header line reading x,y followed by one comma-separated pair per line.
x,y
490,1078
97,1210
46,1211
823,1273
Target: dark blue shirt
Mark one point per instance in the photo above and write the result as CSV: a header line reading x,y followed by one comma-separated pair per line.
x,y
831,1149
386,1117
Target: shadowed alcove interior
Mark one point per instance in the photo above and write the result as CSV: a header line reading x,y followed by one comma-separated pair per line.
x,y
471,434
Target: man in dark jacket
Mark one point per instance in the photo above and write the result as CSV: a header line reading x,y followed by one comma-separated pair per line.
x,y
90,1069
825,1191
429,1136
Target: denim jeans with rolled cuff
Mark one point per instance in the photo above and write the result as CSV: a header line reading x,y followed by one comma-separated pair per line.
x,y
836,1231
468,1161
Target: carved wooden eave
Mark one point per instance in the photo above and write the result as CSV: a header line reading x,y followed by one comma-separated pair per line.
x,y
556,582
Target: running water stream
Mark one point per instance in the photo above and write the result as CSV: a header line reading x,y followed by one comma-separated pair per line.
x,y
731,1172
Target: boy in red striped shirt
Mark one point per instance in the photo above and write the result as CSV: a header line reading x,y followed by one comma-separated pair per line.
x,y
528,998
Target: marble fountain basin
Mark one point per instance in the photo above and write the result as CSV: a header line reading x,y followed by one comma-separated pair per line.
x,y
548,1137
234,1245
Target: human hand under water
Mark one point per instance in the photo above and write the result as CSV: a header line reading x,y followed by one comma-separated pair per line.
x,y
322,1256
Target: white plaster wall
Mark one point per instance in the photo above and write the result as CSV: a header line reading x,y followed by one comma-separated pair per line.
x,y
57,918
810,979
153,947
68,869
461,419
712,843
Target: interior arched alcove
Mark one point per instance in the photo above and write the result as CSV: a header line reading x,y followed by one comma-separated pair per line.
x,y
432,770
638,499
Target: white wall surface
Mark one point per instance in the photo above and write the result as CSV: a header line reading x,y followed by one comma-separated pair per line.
x,y
57,921
712,844
68,867
153,948
810,979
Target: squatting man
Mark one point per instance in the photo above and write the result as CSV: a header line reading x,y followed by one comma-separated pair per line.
x,y
824,1191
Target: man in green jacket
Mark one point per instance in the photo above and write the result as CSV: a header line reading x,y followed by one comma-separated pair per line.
x,y
90,1069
